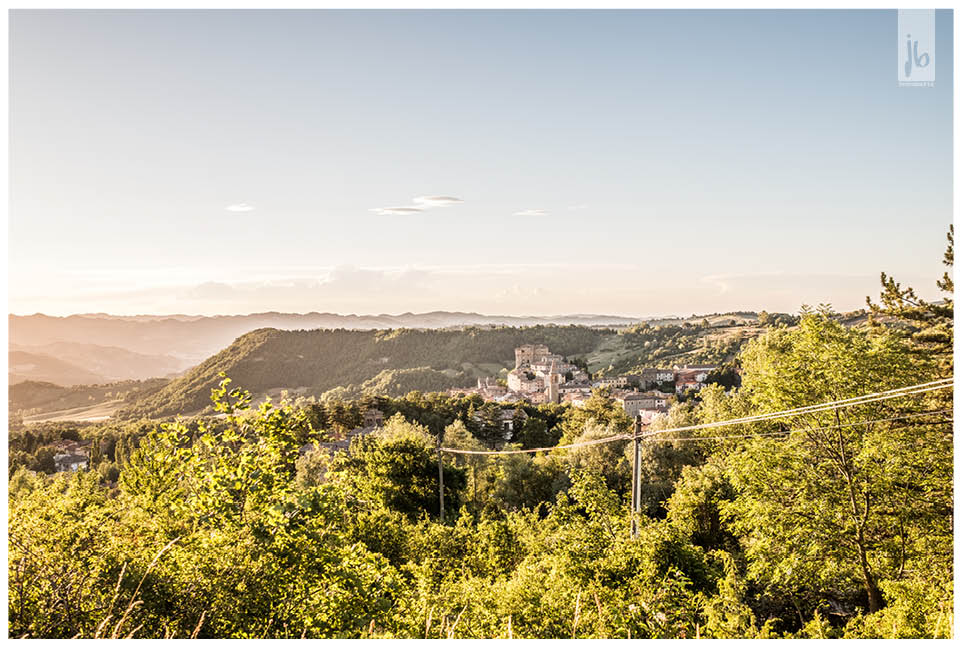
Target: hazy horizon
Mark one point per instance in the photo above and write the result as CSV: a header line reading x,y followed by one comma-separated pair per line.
x,y
638,316
498,162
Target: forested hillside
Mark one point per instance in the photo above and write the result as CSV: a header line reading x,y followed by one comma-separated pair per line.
x,y
320,360
353,363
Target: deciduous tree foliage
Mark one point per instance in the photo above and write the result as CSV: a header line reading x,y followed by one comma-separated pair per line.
x,y
832,524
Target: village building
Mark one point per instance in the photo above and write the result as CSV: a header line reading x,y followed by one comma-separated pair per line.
x,y
537,378
528,354
649,416
71,455
651,377
509,418
544,367
611,382
553,381
524,380
691,377
575,387
635,403
535,398
373,418
70,462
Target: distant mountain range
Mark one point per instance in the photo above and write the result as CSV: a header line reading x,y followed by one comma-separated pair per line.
x,y
191,339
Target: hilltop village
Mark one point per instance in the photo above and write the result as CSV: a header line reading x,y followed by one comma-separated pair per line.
x,y
538,377
541,377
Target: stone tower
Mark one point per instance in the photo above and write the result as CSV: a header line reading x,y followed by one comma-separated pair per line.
x,y
554,383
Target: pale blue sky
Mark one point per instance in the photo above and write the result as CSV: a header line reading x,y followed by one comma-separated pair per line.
x,y
663,162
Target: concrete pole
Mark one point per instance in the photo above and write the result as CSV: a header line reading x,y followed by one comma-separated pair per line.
x,y
636,478
441,483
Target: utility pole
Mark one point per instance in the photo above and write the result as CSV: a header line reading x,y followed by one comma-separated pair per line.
x,y
441,482
636,478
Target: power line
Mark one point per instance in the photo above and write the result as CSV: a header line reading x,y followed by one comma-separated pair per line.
x,y
785,432
504,452
804,410
815,408
826,406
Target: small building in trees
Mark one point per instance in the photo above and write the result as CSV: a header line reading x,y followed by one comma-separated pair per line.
x,y
373,418
70,462
511,417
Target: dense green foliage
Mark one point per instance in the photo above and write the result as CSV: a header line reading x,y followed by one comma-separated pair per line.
x,y
223,532
833,523
402,382
695,342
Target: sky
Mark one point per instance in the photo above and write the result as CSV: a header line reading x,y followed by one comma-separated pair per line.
x,y
507,162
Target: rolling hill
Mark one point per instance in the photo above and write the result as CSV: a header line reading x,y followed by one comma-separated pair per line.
x,y
316,361
38,401
30,366
393,362
109,363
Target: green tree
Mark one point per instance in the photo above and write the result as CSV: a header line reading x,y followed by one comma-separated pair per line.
x,y
695,507
838,498
607,460
457,436
526,480
534,433
43,461
397,468
485,422
601,409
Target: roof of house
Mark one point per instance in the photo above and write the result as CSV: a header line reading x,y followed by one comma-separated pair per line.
x,y
69,459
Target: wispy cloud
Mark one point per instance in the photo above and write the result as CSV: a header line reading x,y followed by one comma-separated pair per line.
x,y
239,207
436,201
421,203
403,209
531,213
578,206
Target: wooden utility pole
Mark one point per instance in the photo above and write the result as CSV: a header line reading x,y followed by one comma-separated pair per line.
x,y
636,478
441,482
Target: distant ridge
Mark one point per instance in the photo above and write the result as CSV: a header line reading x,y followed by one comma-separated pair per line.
x,y
468,318
193,338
